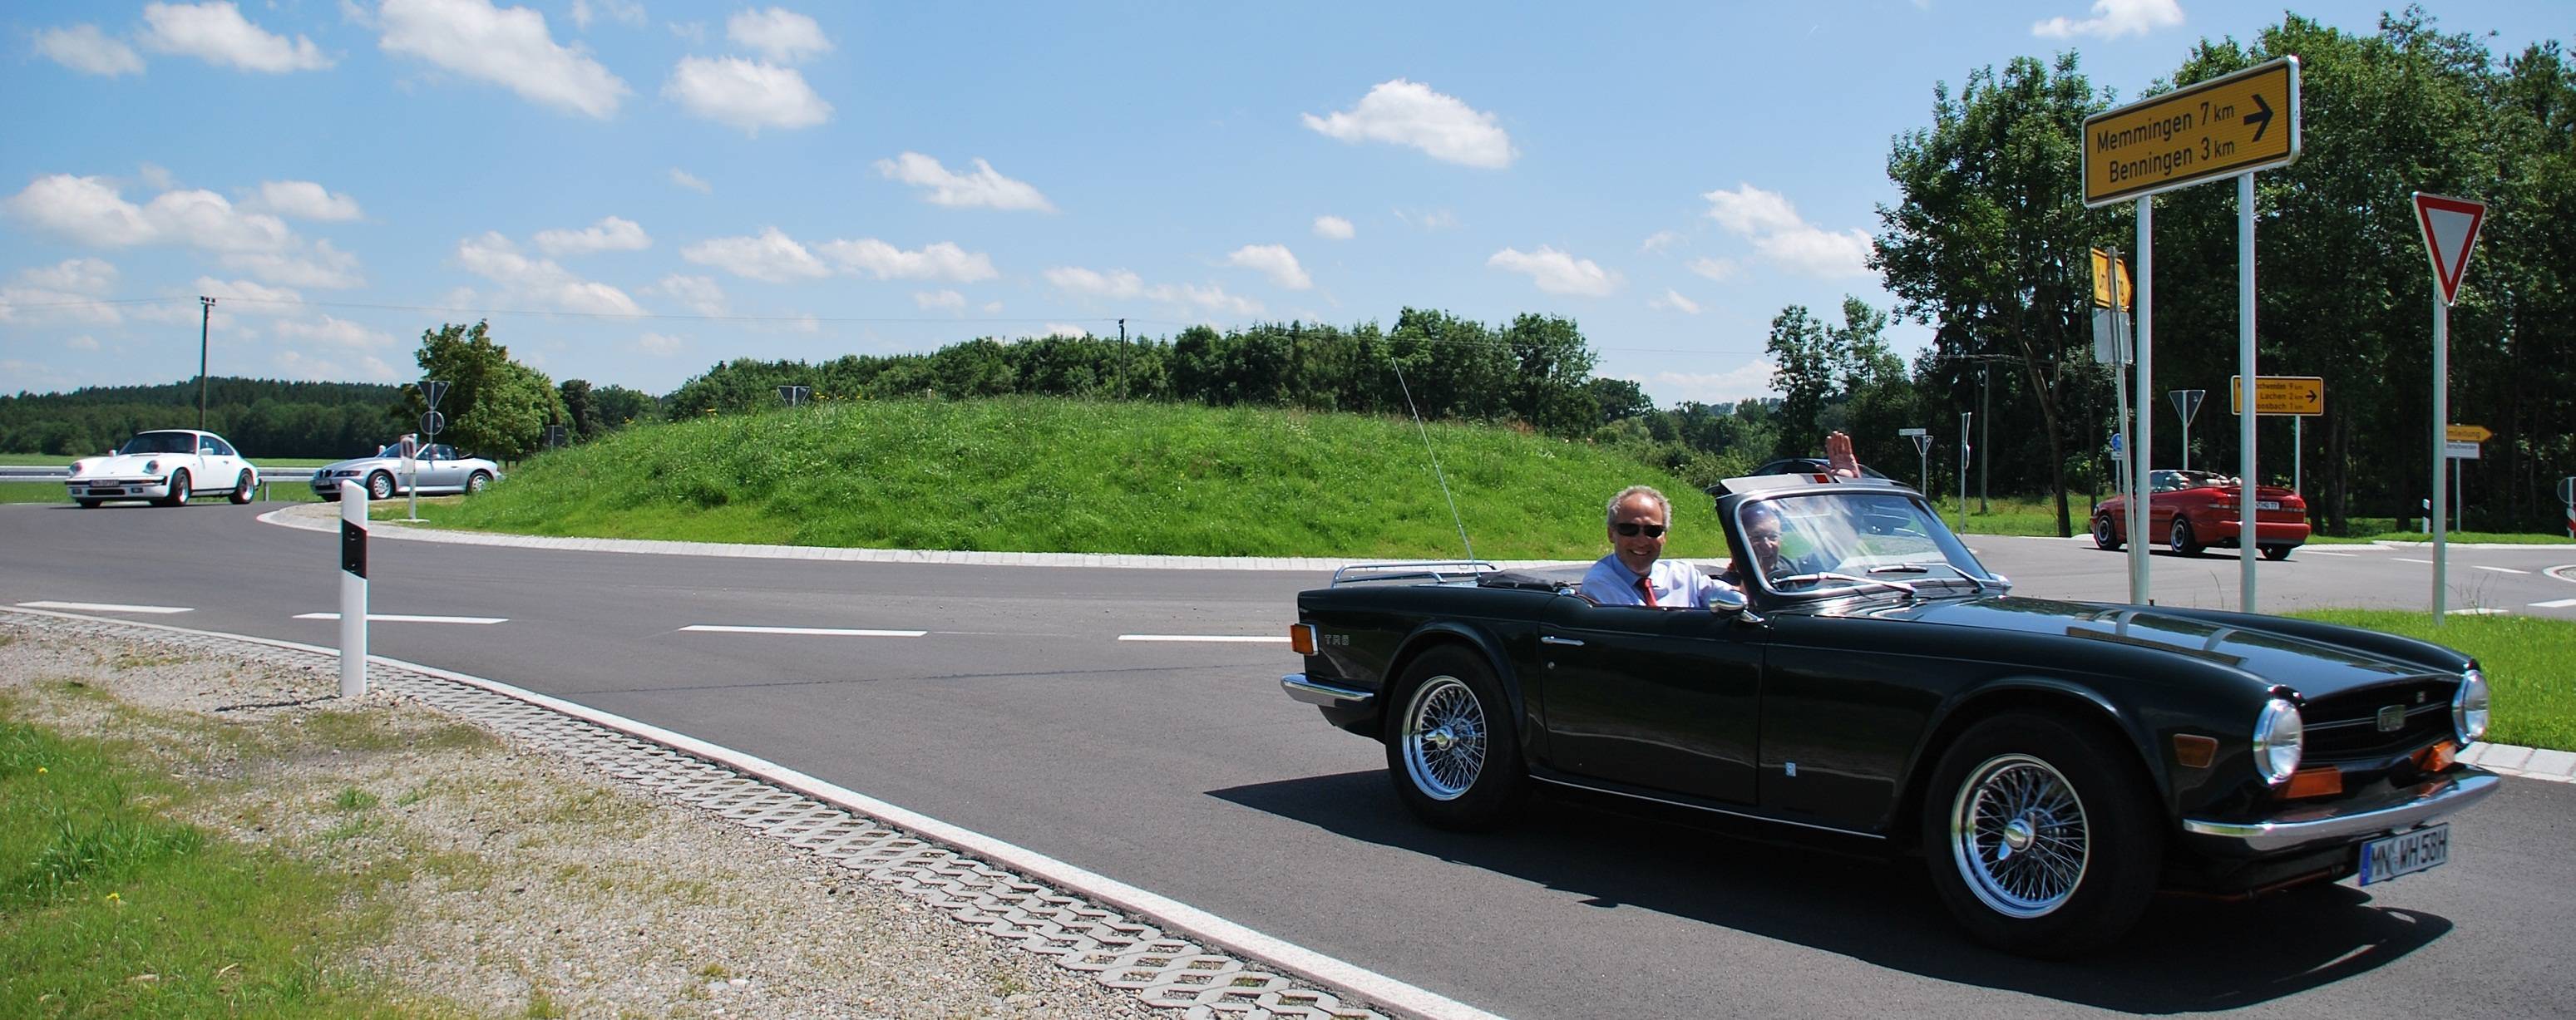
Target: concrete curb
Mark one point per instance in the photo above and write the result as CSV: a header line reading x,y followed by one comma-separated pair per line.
x,y
2528,762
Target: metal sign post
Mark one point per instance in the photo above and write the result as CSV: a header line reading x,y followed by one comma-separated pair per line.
x,y
1922,451
2248,480
1964,418
2567,497
794,395
2450,233
353,596
2187,404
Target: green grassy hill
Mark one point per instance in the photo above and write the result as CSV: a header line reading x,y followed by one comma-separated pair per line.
x,y
1048,475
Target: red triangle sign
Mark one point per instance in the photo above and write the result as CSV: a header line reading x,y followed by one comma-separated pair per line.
x,y
2450,231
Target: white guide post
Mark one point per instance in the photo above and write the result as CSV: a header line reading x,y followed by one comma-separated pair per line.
x,y
353,591
2248,483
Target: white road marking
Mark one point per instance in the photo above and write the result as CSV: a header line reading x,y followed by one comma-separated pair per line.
x,y
2321,552
2479,611
2402,559
106,607
2500,570
401,618
1245,639
717,628
2554,604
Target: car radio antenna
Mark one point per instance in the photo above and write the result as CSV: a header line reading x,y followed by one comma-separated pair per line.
x,y
1435,457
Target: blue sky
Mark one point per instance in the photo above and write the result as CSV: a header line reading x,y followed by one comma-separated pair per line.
x,y
634,191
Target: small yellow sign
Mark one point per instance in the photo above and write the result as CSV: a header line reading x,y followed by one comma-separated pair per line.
x,y
2219,128
2279,394
2104,281
2468,433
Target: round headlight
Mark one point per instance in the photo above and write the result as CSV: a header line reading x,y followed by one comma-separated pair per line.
x,y
2279,738
152,467
2469,707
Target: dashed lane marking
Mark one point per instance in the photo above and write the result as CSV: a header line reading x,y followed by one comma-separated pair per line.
x,y
1241,639
2554,604
718,628
405,618
2321,552
2500,570
2402,559
106,607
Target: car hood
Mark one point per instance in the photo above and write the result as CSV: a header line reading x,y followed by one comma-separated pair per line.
x,y
2313,668
131,465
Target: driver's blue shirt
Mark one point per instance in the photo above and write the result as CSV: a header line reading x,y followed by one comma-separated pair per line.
x,y
1678,584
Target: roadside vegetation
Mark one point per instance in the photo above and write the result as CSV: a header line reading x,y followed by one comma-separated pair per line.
x,y
2527,660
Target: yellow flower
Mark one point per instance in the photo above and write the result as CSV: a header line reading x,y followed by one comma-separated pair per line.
x,y
41,770
114,897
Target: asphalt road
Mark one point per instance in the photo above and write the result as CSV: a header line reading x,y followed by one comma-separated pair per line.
x,y
1179,767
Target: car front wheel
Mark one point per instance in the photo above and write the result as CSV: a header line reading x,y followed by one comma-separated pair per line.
x,y
2039,835
178,489
1450,746
477,483
241,489
88,504
2181,538
380,486
2104,535
2277,552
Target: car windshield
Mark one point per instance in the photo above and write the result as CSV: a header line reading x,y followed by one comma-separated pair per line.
x,y
2176,481
160,442
1836,542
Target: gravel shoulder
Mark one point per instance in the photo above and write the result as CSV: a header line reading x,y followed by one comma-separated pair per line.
x,y
517,880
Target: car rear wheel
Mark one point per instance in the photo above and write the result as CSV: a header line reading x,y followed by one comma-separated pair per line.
x,y
2039,835
1450,746
241,489
2277,552
380,486
2181,538
2104,535
178,489
477,482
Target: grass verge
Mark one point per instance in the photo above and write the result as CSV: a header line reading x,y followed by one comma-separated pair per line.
x,y
2529,662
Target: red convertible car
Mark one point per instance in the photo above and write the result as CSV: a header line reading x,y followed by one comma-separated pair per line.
x,y
2193,510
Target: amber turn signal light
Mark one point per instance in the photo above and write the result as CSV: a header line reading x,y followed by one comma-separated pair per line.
x,y
2194,752
2437,757
2316,782
1301,638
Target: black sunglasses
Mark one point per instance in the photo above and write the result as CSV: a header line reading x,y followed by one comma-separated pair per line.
x,y
1629,529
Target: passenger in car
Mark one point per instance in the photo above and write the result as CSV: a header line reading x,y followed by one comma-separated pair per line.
x,y
1635,573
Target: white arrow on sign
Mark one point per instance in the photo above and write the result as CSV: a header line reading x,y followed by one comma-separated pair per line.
x,y
2450,232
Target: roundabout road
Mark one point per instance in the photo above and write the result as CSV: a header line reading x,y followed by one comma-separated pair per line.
x,y
1177,766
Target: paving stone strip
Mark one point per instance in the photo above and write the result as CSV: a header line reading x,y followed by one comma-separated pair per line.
x,y
1163,969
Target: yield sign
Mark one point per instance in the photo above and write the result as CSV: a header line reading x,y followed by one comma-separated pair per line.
x,y
2450,231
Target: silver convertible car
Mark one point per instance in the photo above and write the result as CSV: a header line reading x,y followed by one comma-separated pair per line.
x,y
440,468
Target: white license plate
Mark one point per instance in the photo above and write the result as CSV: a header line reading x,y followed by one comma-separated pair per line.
x,y
2267,504
2405,853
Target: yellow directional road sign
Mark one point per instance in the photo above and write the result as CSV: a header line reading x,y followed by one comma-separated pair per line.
x,y
2468,433
2218,128
2279,394
2103,281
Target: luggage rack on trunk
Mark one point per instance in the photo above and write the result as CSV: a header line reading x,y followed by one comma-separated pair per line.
x,y
1432,571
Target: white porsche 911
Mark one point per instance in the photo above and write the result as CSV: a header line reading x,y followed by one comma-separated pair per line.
x,y
166,466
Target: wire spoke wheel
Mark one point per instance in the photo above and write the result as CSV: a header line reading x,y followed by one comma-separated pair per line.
x,y
1444,738
2019,836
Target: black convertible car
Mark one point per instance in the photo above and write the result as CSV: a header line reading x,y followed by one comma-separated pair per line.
x,y
2055,763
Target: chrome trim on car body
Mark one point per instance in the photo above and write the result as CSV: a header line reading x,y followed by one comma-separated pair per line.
x,y
1309,692
2423,803
1589,787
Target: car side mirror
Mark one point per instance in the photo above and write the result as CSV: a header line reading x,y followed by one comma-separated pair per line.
x,y
1727,600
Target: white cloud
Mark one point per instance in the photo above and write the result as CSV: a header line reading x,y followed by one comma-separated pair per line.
x,y
317,265
625,12
67,291
1673,301
1783,237
218,34
699,293
85,49
1062,329
947,299
1274,261
693,31
295,364
83,210
78,276
493,257
1661,240
1745,383
1118,284
2112,19
1557,272
1408,113
658,345
510,48
985,187
304,200
1122,284
249,298
91,211
1334,228
336,332
156,176
690,181
1720,270
609,234
779,34
1434,219
772,257
83,342
940,261
746,94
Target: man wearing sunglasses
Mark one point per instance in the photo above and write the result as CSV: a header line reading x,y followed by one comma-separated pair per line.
x,y
1635,573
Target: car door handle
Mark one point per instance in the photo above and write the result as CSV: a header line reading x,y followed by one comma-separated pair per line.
x,y
1551,639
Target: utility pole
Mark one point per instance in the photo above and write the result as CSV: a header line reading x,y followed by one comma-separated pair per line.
x,y
1122,359
1985,433
205,315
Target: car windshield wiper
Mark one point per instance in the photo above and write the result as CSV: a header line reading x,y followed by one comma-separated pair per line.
x,y
1833,576
1901,568
1925,567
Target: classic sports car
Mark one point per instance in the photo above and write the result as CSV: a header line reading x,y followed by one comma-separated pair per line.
x,y
2193,510
166,467
441,471
2055,763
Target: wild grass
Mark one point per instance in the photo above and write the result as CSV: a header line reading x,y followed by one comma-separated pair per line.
x,y
2528,661
1044,475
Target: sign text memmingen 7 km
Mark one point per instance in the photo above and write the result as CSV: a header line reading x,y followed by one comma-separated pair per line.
x,y
2218,128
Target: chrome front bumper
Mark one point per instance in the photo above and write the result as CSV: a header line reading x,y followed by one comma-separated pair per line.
x,y
1308,692
2296,828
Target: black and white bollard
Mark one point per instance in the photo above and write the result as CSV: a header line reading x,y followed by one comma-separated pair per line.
x,y
353,590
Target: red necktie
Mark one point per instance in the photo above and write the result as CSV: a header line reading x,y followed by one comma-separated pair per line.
x,y
1646,588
